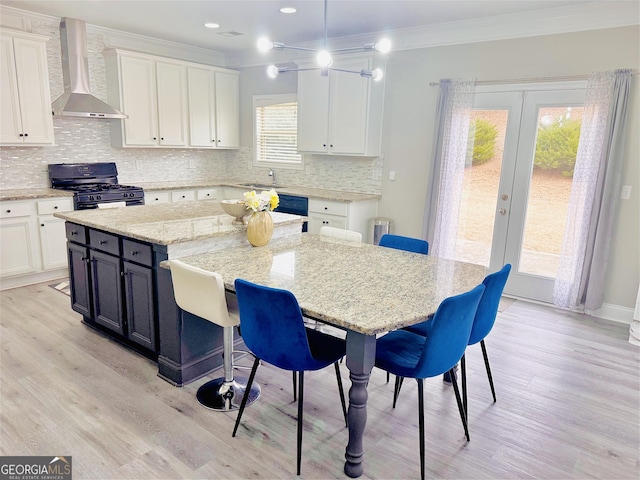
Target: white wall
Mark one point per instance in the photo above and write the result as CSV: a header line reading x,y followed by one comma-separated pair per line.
x,y
410,111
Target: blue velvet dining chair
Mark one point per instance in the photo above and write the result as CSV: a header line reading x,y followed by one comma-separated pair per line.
x,y
273,330
408,244
410,355
482,324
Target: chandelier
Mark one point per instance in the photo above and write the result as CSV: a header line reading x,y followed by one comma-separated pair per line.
x,y
324,57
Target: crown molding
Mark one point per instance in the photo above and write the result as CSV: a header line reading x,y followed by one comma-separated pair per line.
x,y
568,19
22,20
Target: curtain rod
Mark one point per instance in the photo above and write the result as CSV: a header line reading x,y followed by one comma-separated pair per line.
x,y
529,80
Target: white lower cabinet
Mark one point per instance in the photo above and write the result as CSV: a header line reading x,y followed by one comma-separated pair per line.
x,y
182,195
151,198
349,215
53,240
32,241
206,194
18,244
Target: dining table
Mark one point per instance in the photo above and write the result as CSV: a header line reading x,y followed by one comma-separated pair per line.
x,y
364,289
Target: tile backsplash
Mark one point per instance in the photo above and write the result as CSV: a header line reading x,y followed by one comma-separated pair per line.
x,y
89,140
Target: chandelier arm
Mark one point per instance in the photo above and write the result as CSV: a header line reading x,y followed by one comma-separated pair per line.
x,y
299,48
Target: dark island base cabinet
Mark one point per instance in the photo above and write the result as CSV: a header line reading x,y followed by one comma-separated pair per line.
x,y
118,287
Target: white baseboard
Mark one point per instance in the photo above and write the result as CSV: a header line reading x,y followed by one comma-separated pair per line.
x,y
612,312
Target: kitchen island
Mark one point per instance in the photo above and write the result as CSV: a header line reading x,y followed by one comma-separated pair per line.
x,y
118,287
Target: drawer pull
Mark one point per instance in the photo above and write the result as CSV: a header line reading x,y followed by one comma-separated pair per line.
x,y
9,211
56,207
102,242
134,252
73,232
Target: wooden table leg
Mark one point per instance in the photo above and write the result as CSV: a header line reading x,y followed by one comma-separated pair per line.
x,y
361,353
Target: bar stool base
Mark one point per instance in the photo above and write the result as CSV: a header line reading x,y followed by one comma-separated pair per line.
x,y
224,396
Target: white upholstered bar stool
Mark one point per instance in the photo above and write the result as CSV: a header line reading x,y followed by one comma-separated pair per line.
x,y
341,233
202,293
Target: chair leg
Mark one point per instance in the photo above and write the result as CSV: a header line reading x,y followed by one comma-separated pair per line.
x,y
247,392
341,390
396,390
295,385
486,364
463,415
388,377
463,367
300,410
421,423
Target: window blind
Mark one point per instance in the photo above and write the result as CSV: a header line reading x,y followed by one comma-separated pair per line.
x,y
276,133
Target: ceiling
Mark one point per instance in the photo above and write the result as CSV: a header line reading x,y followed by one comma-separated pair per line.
x,y
182,21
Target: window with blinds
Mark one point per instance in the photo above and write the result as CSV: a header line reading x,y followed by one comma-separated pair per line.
x,y
276,130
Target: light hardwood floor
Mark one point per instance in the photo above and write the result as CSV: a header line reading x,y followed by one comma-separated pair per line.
x,y
567,387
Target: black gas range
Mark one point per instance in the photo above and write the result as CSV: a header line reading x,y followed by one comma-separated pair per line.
x,y
94,184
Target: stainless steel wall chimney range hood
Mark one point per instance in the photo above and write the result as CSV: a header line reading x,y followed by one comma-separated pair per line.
x,y
77,100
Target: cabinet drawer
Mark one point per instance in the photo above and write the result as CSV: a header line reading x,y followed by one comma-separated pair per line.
x,y
10,210
77,233
183,195
104,241
328,207
137,252
46,207
207,194
151,198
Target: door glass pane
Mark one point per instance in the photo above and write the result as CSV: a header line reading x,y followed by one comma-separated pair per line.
x,y
481,182
557,139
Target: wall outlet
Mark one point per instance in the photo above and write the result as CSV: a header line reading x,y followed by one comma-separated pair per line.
x,y
625,194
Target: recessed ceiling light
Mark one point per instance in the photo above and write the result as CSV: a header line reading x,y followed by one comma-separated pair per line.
x,y
288,10
211,25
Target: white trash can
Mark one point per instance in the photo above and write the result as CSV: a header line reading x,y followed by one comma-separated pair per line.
x,y
378,227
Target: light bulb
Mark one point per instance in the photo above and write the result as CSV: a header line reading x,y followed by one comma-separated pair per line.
x,y
264,44
324,58
383,46
272,71
377,75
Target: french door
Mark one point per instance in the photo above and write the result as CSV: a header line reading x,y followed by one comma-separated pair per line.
x,y
518,180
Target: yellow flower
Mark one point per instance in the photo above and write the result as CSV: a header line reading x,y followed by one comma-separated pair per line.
x,y
266,201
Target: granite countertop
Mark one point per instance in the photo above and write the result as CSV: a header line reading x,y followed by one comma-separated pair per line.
x,y
32,194
168,223
320,193
309,192
356,286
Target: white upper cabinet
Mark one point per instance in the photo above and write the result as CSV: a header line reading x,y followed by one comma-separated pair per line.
x,y
153,94
214,106
171,81
25,101
341,113
171,103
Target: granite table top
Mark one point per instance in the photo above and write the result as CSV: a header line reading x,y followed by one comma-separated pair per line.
x,y
168,223
356,286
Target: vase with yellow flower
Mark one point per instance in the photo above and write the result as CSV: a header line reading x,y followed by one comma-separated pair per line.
x,y
260,225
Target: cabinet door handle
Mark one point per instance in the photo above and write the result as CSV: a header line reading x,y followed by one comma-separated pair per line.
x,y
26,134
161,138
134,252
42,224
21,135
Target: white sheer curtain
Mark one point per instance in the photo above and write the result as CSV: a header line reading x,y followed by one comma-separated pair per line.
x,y
594,192
453,113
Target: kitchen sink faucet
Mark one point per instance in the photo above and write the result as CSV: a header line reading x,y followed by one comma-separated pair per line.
x,y
272,173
